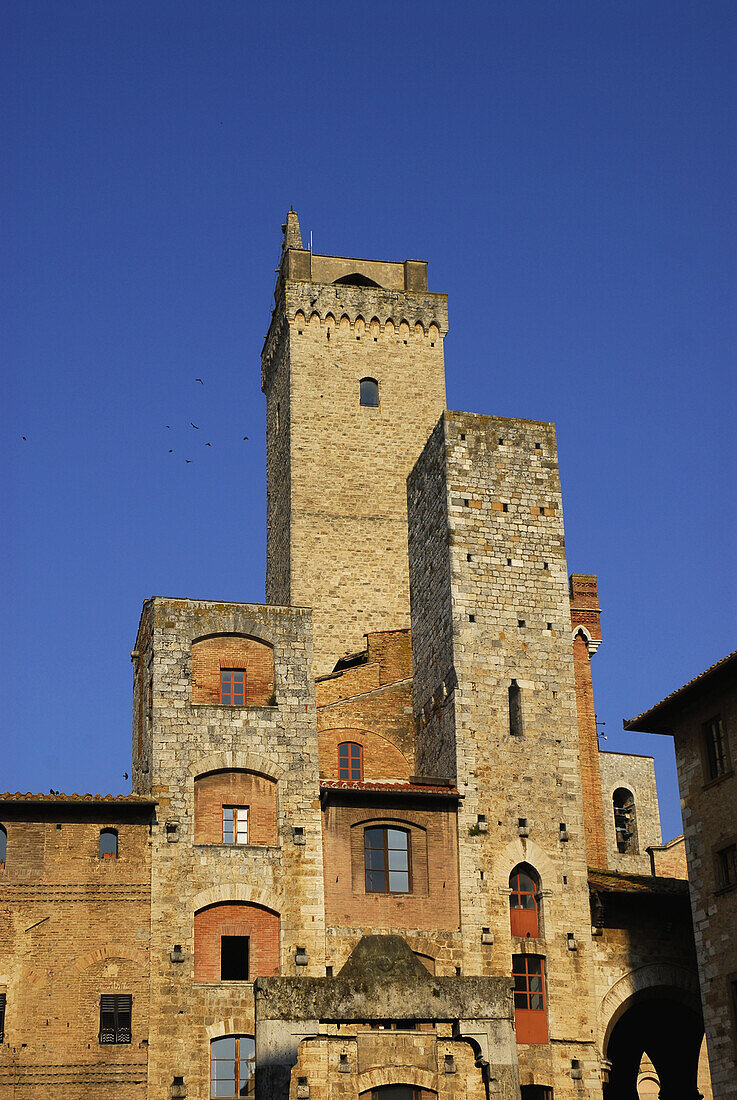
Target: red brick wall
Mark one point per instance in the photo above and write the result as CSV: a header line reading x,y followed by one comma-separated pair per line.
x,y
585,613
209,655
234,788
235,919
381,759
669,859
434,900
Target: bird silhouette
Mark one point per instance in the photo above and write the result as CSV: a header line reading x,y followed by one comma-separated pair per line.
x,y
245,437
168,425
24,437
195,425
208,444
171,450
188,460
200,381
125,775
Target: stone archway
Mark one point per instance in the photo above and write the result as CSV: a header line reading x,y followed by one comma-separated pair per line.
x,y
665,1025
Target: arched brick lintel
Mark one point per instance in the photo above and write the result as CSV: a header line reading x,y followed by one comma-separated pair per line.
x,y
668,977
396,1075
251,895
236,761
527,851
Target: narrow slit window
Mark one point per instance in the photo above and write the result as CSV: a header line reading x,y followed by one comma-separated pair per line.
x,y
727,866
515,709
3,845
716,749
369,392
2,1017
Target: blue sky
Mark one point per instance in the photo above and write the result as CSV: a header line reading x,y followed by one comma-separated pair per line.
x,y
567,169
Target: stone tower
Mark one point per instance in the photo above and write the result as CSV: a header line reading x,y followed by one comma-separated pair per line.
x,y
353,373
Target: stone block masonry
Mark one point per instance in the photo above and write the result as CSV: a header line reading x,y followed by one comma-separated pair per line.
x,y
495,696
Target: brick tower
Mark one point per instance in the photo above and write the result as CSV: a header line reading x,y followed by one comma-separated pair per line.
x,y
353,373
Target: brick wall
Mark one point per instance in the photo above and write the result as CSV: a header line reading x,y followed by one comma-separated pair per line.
x,y
236,919
381,759
73,927
209,655
257,792
433,901
669,859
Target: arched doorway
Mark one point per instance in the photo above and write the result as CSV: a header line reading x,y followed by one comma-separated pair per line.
x,y
666,1026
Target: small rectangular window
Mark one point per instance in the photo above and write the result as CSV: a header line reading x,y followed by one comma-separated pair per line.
x,y
717,762
2,1017
233,687
234,958
235,824
115,1017
727,866
530,1019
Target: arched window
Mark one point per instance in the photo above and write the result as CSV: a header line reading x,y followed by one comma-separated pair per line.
x,y
108,843
625,821
233,1067
350,761
370,392
3,844
524,917
387,860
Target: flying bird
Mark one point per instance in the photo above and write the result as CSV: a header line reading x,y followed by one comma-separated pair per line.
x,y
125,775
195,426
208,444
171,450
168,425
245,437
24,437
200,381
188,460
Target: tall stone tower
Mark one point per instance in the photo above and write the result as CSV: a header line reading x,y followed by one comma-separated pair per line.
x,y
353,373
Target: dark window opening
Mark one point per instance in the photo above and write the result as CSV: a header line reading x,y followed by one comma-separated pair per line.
x,y
233,1067
716,749
355,279
625,821
536,1092
234,958
387,860
523,901
727,866
3,845
350,761
396,1092
108,844
2,1017
115,1017
369,392
232,687
515,709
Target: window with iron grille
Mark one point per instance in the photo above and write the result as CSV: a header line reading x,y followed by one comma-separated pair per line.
x,y
387,860
115,1017
233,687
350,761
2,1017
530,1018
235,824
727,866
717,762
233,1067
523,905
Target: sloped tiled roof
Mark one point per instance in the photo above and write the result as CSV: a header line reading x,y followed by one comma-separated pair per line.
x,y
614,882
650,719
131,799
388,786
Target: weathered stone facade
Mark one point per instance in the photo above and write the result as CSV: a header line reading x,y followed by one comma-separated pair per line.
x,y
351,840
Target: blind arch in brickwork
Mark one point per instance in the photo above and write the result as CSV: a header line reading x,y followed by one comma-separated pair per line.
x,y
252,656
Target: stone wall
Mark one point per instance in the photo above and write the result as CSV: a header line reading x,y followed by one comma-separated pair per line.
x,y
345,465
490,605
188,740
636,774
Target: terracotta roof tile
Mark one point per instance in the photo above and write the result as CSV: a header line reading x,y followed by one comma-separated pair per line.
x,y
133,799
388,786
